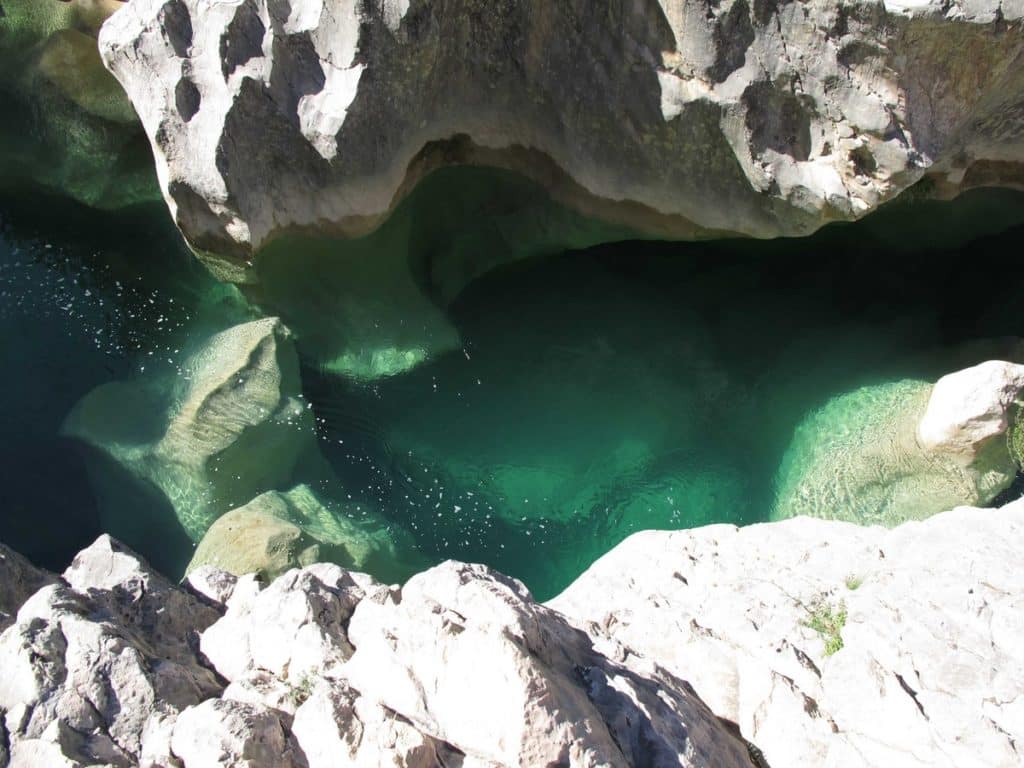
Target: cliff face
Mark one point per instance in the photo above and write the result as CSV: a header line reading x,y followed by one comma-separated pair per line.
x,y
678,117
820,642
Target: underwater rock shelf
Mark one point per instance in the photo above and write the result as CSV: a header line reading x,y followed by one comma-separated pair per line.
x,y
804,642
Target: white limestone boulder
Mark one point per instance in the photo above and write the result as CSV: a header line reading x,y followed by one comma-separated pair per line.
x,y
90,662
969,410
928,672
467,657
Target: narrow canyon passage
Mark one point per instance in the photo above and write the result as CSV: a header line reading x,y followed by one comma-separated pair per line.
x,y
593,393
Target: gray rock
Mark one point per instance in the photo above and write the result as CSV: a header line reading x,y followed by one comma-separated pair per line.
x,y
90,662
19,579
679,117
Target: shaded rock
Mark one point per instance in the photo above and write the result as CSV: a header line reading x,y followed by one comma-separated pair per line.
x,y
68,125
926,675
19,579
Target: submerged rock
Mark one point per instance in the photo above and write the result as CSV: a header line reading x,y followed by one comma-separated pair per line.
x,y
230,427
905,450
673,116
231,433
278,531
68,124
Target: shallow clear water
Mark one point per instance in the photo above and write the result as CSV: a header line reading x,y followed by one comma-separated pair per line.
x,y
590,394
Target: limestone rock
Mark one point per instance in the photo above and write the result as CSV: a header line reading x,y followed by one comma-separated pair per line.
x,y
226,733
293,629
252,539
927,674
19,579
230,427
466,656
969,409
336,727
278,531
91,662
678,117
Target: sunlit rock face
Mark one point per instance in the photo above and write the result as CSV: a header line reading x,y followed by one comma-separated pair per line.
x,y
67,124
684,649
904,450
924,669
680,118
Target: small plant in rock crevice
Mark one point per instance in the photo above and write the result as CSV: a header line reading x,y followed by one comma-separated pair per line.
x,y
853,582
828,621
302,690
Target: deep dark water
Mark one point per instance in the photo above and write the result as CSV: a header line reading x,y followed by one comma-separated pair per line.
x,y
598,392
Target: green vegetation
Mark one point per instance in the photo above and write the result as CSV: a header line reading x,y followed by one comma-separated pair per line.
x,y
854,581
828,621
1015,437
301,691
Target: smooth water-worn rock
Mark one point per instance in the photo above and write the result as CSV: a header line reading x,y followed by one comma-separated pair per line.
x,y
230,426
928,670
67,123
904,450
278,531
678,117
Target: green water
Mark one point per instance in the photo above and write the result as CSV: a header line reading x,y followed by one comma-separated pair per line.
x,y
578,396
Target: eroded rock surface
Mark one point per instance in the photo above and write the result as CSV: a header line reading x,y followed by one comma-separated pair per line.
x,y
677,116
929,670
654,657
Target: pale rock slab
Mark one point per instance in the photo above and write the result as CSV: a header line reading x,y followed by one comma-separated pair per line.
x,y
466,656
927,676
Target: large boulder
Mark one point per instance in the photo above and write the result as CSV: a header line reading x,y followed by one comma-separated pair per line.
x,y
904,450
678,117
829,643
95,663
229,427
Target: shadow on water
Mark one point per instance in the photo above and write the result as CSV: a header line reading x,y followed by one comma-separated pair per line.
x,y
592,393
642,384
